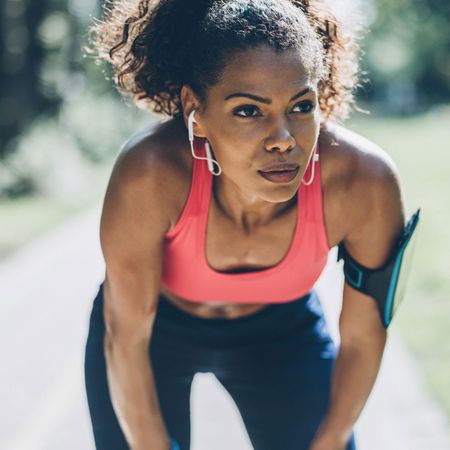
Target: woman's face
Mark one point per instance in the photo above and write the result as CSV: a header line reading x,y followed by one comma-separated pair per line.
x,y
263,111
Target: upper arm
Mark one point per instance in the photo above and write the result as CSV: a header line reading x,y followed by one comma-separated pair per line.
x,y
133,222
377,219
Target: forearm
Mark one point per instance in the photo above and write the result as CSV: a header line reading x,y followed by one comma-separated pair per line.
x,y
354,375
134,398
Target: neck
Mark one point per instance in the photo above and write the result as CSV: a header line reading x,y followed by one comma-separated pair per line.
x,y
246,211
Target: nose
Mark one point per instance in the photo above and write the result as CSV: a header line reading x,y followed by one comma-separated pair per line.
x,y
280,138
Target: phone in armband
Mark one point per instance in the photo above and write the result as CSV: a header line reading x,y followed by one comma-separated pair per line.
x,y
387,283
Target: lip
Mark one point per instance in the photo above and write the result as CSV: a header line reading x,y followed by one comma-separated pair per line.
x,y
280,176
280,167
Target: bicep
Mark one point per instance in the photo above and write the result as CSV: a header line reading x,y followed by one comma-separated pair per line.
x,y
132,228
369,241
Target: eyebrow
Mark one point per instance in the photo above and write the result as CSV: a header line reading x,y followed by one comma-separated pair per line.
x,y
268,101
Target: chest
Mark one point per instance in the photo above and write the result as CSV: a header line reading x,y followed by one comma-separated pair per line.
x,y
232,249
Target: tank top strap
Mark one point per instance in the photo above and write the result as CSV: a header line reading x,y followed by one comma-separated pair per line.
x,y
311,205
198,192
203,178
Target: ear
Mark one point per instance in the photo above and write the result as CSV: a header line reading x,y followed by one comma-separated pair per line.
x,y
190,101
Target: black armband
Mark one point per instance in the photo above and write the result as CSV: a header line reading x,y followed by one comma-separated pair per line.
x,y
387,283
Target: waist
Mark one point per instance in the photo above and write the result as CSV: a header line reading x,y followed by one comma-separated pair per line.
x,y
302,317
300,322
210,310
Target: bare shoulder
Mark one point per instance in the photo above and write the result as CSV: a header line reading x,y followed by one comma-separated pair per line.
x,y
362,185
152,167
355,158
152,155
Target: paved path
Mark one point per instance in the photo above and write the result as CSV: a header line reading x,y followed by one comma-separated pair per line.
x,y
46,290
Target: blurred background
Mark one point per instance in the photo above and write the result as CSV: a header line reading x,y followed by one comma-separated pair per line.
x,y
62,124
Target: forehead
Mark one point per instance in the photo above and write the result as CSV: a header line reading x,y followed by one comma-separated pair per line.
x,y
263,69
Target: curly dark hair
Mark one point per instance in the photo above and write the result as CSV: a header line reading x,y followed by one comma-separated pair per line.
x,y
157,46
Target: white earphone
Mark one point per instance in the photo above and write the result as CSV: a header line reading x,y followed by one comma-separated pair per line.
x,y
209,158
315,158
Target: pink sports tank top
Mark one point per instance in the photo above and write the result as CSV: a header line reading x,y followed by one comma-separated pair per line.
x,y
187,274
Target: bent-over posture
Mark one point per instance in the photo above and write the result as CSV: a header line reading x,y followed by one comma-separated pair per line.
x,y
218,220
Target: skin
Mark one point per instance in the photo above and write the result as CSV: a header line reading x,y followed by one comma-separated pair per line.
x,y
251,220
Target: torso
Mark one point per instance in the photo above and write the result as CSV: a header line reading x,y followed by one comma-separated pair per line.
x,y
227,248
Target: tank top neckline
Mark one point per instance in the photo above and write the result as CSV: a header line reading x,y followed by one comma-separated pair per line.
x,y
204,178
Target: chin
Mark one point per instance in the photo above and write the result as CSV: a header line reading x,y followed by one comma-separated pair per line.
x,y
280,193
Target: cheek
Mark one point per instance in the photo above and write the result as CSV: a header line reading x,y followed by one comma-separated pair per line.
x,y
306,132
235,161
236,147
238,162
242,135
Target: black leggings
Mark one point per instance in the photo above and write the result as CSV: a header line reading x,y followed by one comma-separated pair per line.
x,y
275,363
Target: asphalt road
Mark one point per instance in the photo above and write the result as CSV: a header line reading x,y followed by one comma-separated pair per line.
x,y
46,290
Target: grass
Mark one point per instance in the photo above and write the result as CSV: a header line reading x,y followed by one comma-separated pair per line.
x,y
420,147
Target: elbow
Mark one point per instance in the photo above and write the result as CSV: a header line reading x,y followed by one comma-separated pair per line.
x,y
128,347
129,335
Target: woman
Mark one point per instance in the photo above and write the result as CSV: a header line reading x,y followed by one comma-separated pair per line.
x,y
217,222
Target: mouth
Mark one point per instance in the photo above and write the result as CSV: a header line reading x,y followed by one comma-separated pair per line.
x,y
280,167
280,176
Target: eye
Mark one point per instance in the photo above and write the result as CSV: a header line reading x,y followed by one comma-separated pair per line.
x,y
306,106
247,111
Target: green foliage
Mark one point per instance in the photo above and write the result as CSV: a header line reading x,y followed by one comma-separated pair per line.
x,y
42,63
55,157
407,53
100,124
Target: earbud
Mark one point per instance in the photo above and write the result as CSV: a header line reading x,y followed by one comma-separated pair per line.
x,y
209,159
191,120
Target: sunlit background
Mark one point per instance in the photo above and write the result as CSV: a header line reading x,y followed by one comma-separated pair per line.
x,y
62,124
